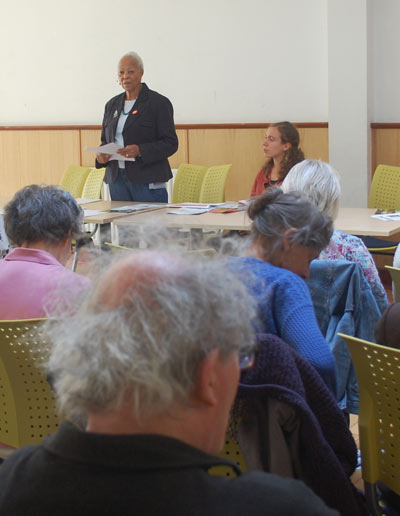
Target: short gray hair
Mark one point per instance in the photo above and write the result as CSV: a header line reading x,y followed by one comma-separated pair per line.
x,y
135,57
148,347
274,212
42,213
318,181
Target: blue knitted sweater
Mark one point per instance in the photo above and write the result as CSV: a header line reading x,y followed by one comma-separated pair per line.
x,y
286,310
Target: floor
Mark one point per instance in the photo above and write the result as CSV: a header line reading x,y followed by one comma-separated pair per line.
x,y
356,477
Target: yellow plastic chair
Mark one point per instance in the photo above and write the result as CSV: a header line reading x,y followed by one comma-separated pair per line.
x,y
188,182
74,178
231,451
378,373
93,184
213,187
27,405
385,195
385,188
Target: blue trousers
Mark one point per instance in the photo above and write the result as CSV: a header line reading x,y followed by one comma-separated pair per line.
x,y
124,190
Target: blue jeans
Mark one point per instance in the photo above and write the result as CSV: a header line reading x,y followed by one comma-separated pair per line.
x,y
124,190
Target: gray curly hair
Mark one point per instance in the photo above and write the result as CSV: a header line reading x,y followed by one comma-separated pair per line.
x,y
274,212
42,213
146,342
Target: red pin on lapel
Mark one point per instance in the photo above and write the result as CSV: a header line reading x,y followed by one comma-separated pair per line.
x,y
135,112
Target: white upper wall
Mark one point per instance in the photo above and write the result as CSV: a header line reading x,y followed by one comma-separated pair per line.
x,y
217,61
386,59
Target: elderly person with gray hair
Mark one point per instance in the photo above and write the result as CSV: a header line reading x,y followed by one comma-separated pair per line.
x,y
320,183
40,222
142,122
288,232
152,362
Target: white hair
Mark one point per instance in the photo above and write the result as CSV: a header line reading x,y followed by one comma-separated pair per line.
x,y
148,349
318,181
135,57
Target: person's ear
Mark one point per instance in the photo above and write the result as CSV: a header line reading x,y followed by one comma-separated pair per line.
x,y
286,146
206,381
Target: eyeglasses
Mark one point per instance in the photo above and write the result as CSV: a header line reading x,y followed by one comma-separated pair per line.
x,y
246,360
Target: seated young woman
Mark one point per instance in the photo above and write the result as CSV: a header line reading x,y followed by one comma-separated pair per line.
x,y
281,148
320,183
288,232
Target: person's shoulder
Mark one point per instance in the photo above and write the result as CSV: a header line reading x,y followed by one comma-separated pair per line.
x,y
265,493
348,240
267,271
114,100
18,459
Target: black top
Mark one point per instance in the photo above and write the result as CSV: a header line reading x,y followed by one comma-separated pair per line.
x,y
150,124
79,473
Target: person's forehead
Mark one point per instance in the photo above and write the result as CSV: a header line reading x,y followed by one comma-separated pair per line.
x,y
273,131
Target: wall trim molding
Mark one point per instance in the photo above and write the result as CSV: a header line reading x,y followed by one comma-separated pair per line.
x,y
177,126
385,125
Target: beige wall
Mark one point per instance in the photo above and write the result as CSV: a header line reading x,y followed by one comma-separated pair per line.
x,y
34,155
40,156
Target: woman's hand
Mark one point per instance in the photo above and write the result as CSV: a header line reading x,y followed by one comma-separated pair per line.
x,y
103,158
130,151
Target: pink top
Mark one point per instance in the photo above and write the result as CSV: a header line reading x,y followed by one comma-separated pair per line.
x,y
33,283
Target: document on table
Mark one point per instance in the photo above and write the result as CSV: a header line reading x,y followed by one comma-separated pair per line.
x,y
131,208
110,148
387,216
190,210
92,213
80,201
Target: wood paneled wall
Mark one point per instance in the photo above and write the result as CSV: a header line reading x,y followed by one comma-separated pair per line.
x,y
29,156
40,155
385,145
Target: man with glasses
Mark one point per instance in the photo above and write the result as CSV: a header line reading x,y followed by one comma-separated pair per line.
x,y
150,363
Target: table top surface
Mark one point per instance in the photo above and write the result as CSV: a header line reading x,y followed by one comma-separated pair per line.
x,y
160,217
358,221
355,221
105,206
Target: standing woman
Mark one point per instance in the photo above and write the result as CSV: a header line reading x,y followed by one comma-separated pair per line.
x,y
281,147
142,121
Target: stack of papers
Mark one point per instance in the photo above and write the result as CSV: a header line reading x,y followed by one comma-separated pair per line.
x,y
131,208
91,213
111,149
190,210
386,215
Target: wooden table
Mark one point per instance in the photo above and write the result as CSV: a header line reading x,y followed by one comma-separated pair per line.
x,y
160,217
358,221
107,216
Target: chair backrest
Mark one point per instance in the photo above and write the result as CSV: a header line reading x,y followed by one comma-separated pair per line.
x,y
395,275
73,179
27,405
385,188
93,184
187,184
378,373
213,187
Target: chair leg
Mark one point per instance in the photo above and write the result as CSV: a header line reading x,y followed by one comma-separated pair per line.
x,y
372,499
